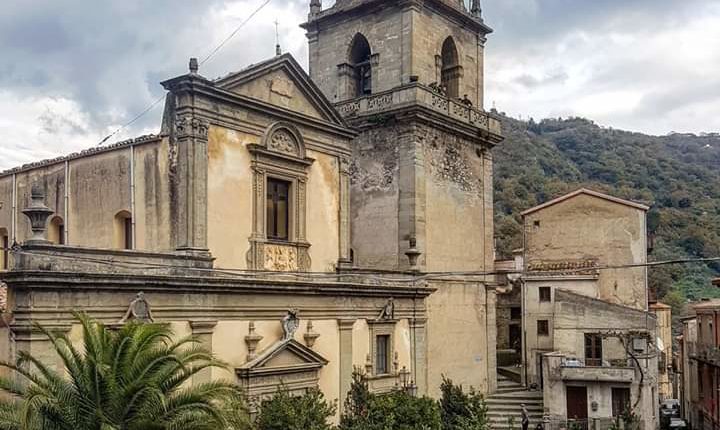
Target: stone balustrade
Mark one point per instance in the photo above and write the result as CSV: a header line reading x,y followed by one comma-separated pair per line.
x,y
417,94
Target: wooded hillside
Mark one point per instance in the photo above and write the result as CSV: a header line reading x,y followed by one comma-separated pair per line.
x,y
677,175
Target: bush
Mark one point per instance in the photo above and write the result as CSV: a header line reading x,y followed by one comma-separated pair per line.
x,y
356,408
460,410
287,412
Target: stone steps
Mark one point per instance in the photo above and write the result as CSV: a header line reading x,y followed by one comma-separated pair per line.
x,y
505,404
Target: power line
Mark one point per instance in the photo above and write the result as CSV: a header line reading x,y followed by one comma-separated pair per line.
x,y
208,57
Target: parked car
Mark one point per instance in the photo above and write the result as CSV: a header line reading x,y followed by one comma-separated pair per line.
x,y
678,424
670,408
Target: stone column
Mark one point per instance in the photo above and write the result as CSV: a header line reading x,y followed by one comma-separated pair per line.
x,y
491,337
203,331
346,358
418,354
191,134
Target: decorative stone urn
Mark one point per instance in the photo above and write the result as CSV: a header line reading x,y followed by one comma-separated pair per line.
x,y
38,215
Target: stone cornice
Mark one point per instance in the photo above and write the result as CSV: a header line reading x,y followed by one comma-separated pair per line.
x,y
50,280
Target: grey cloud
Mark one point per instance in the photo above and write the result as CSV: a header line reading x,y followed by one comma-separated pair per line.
x,y
553,78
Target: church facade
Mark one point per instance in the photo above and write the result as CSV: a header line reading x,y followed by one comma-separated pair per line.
x,y
301,226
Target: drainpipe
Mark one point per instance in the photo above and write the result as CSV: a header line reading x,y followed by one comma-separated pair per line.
x,y
132,195
66,210
13,220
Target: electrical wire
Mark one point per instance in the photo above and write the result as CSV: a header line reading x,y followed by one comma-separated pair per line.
x,y
206,59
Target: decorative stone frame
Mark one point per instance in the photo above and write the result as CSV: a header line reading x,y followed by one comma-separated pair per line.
x,y
280,155
380,383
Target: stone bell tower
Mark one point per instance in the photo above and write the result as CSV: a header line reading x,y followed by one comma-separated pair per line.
x,y
409,75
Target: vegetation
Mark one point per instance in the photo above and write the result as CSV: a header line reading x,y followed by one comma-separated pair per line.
x,y
677,175
287,412
133,378
460,410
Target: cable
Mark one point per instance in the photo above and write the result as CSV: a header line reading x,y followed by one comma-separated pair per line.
x,y
208,57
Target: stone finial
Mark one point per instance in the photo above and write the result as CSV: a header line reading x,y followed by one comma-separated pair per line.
x,y
476,9
315,7
310,335
194,66
413,254
251,340
38,214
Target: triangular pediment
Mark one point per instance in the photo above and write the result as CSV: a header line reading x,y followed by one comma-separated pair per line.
x,y
282,82
286,354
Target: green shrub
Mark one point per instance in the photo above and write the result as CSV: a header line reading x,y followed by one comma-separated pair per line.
x,y
460,410
287,412
356,408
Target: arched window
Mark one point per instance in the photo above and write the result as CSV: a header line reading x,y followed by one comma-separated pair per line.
x,y
360,56
56,232
123,230
450,69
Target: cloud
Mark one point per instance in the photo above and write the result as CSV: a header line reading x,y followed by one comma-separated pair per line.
x,y
76,70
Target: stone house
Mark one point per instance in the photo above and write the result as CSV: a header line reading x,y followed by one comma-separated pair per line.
x,y
700,365
584,273
289,221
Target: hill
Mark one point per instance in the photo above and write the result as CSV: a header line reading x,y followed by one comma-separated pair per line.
x,y
677,175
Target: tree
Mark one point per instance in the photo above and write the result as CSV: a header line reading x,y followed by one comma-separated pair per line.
x,y
287,412
137,377
460,410
357,404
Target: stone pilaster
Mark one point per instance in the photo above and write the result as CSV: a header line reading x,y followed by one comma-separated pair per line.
x,y
411,213
344,233
203,332
191,137
418,354
491,337
32,341
346,357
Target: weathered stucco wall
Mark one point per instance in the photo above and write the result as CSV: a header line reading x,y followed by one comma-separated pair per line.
x,y
461,336
586,227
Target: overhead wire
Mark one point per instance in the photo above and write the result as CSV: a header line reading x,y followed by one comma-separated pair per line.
x,y
205,59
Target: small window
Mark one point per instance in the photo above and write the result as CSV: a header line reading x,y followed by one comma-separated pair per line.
x,y
543,328
516,313
593,350
278,209
124,230
382,354
56,233
620,401
127,226
5,252
545,294
536,224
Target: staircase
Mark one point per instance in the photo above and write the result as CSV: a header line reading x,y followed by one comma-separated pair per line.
x,y
506,403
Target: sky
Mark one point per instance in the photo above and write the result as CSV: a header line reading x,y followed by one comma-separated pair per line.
x,y
73,71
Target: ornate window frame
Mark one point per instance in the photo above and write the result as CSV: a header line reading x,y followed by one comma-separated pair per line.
x,y
281,155
388,381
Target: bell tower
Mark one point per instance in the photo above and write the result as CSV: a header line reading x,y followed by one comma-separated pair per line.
x,y
409,75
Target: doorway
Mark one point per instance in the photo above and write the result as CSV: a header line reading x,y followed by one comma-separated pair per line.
x,y
577,406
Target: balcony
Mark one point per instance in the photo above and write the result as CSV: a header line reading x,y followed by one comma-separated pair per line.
x,y
704,352
598,374
416,94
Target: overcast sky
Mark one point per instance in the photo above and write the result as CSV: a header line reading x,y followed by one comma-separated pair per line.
x,y
72,71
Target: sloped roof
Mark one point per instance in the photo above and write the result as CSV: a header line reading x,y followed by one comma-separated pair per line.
x,y
585,191
293,69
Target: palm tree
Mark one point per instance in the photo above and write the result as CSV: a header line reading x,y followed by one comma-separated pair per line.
x,y
137,377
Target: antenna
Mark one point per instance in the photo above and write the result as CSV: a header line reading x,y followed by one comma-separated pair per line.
x,y
278,51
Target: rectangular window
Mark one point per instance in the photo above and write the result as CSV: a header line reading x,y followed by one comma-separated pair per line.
x,y
5,253
278,209
382,354
515,313
593,350
543,328
127,229
620,401
545,294
61,234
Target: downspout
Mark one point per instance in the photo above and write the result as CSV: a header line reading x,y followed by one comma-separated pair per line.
x,y
13,220
132,196
66,210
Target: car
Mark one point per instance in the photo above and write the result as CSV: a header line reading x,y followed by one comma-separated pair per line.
x,y
670,408
677,423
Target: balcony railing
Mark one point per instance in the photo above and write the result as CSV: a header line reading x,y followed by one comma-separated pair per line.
x,y
598,374
418,94
704,352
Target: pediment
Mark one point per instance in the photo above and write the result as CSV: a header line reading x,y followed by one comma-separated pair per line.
x,y
284,356
282,82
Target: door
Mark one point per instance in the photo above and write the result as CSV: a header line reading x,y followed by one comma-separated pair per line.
x,y
515,337
577,407
620,401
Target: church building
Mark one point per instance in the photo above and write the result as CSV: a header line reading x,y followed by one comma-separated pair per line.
x,y
299,224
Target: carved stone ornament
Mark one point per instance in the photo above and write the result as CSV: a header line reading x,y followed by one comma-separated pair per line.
x,y
290,324
251,340
138,310
281,258
189,126
37,213
388,311
310,335
283,141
